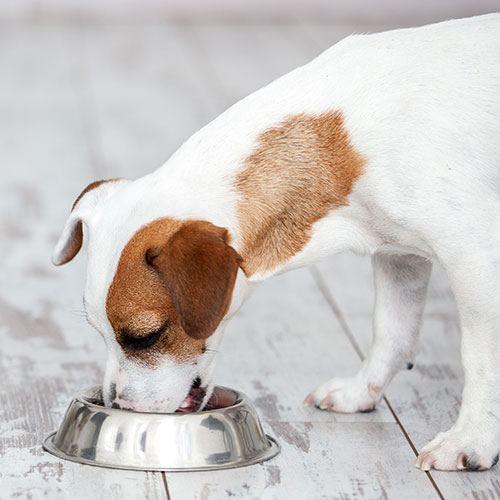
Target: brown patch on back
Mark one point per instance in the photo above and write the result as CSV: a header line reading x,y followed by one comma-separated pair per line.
x,y
173,275
300,170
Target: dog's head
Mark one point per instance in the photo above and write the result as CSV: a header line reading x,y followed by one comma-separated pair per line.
x,y
156,290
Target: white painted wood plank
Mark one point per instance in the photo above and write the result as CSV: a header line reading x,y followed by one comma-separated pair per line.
x,y
147,92
282,344
319,461
350,277
27,78
246,58
47,355
236,57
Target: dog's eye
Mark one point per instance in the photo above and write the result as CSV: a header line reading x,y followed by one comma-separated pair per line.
x,y
144,342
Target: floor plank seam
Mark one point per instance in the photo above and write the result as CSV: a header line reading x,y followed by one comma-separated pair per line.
x,y
165,483
413,447
336,310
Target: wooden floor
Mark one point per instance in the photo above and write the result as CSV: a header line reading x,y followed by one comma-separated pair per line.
x,y
80,102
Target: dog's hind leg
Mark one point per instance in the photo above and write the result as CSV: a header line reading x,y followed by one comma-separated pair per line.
x,y
401,286
473,442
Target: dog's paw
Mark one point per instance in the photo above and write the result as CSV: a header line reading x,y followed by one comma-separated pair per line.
x,y
459,450
344,395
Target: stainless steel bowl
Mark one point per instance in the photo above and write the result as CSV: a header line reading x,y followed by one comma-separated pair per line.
x,y
220,438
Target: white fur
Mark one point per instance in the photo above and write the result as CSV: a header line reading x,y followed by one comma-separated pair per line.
x,y
423,108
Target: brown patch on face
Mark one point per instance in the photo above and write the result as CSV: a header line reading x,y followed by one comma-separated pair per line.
x,y
299,171
172,286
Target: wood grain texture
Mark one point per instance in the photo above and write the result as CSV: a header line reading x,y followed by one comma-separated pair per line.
x,y
315,467
146,95
281,344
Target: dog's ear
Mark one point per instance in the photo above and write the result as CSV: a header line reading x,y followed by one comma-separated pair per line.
x,y
199,269
70,241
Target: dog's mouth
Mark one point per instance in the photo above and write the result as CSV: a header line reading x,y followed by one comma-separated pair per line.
x,y
195,400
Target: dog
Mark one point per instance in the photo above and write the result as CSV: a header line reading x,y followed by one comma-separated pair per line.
x,y
386,144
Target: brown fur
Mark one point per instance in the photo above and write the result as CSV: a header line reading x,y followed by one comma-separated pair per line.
x,y
173,273
299,171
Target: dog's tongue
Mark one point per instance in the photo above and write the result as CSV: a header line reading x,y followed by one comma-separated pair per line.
x,y
193,400
220,398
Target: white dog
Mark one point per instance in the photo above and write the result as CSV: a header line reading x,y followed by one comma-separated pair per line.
x,y
386,144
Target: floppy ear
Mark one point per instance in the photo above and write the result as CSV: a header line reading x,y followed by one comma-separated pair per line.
x,y
199,269
70,241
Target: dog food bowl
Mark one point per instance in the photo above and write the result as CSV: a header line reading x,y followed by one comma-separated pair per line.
x,y
220,438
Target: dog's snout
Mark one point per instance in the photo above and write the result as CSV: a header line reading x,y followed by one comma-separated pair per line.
x,y
114,400
120,403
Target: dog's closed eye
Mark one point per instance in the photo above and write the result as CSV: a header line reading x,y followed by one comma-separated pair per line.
x,y
138,343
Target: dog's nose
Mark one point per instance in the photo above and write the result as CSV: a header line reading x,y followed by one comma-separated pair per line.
x,y
119,400
112,391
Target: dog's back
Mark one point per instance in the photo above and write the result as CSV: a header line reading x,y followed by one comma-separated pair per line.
x,y
422,106
423,84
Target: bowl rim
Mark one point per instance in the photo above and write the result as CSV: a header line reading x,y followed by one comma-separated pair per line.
x,y
242,399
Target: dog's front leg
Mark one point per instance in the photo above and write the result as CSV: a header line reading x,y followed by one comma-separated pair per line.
x,y
401,286
473,442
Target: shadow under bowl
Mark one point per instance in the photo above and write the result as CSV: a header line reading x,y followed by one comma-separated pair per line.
x,y
217,438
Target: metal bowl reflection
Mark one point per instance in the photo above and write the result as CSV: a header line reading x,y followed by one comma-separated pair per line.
x,y
219,438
